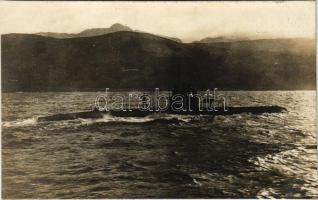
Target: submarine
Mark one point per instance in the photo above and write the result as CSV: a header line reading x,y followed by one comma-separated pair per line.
x,y
191,107
95,114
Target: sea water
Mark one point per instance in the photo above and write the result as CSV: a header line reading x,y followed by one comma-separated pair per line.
x,y
161,155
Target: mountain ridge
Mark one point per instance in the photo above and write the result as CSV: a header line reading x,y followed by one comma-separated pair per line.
x,y
91,32
87,32
124,59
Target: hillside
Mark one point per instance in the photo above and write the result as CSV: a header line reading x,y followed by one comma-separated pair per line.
x,y
125,59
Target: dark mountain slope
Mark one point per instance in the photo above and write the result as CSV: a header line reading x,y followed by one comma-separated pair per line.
x,y
271,64
145,61
39,63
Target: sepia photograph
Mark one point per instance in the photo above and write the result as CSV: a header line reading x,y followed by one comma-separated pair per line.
x,y
153,100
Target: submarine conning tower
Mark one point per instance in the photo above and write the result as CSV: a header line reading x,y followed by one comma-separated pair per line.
x,y
186,95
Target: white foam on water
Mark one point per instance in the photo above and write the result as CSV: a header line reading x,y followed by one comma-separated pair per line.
x,y
109,118
183,118
106,118
18,123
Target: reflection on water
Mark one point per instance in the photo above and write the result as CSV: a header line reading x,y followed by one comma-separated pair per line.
x,y
239,156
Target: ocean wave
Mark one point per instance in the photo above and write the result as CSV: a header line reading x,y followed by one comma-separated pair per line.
x,y
18,123
107,118
151,118
288,163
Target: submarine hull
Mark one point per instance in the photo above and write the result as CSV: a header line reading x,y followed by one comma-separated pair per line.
x,y
141,113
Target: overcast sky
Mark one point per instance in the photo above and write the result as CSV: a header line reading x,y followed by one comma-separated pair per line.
x,y
185,20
